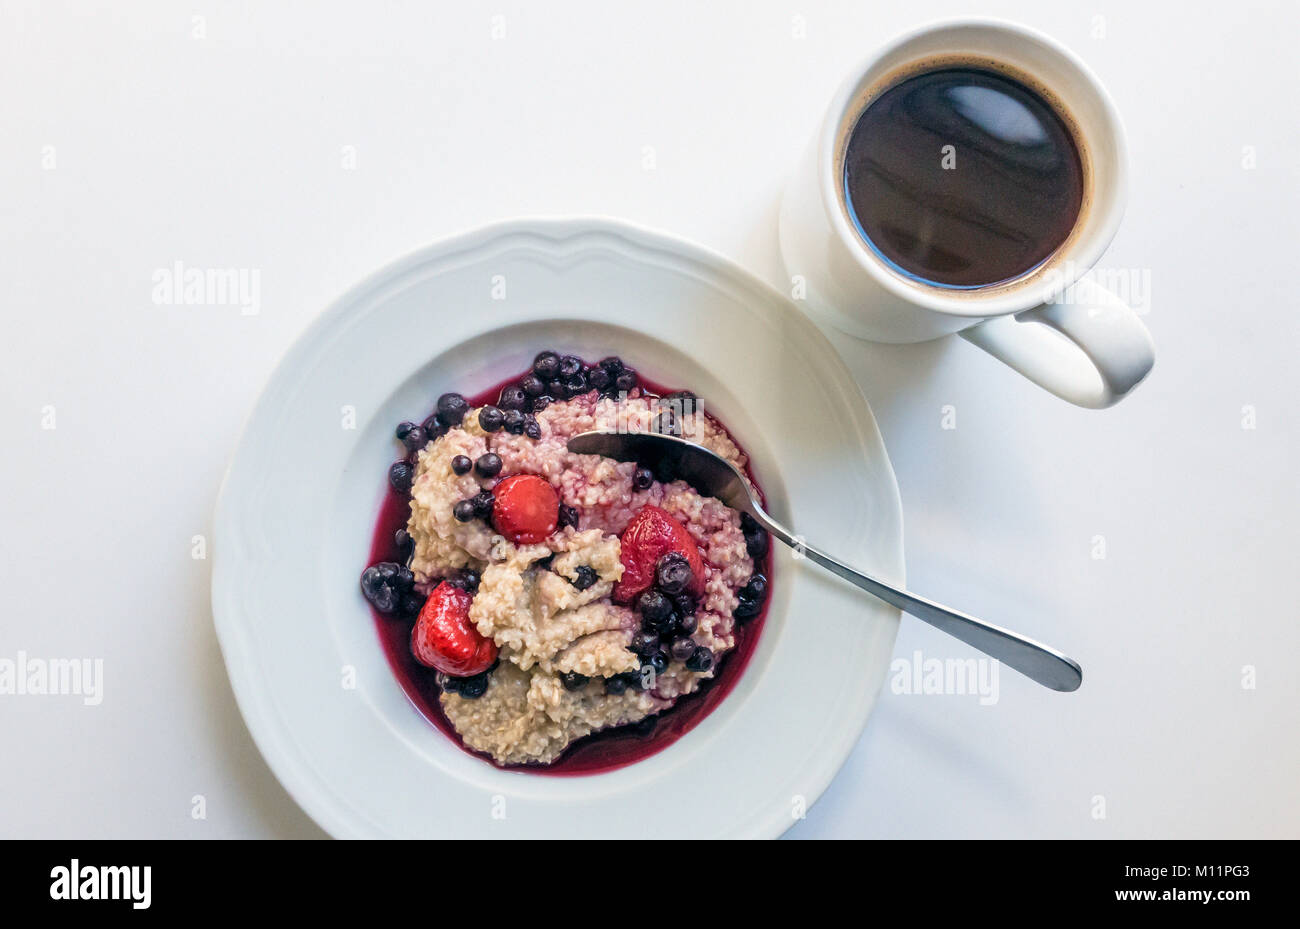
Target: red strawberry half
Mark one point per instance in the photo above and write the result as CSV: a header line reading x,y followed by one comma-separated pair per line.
x,y
445,639
650,534
525,508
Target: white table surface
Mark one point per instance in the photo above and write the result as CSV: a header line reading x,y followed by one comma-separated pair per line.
x,y
130,142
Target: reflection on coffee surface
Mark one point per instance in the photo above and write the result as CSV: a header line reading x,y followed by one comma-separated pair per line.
x,y
962,177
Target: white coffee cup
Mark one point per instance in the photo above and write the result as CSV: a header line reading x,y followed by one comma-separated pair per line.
x,y
1054,324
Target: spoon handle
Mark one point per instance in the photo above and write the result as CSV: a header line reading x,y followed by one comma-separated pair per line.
x,y
1034,660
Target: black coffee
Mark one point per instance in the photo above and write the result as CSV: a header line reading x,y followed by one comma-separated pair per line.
x,y
962,177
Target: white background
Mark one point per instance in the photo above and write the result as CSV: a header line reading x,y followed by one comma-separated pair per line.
x,y
225,150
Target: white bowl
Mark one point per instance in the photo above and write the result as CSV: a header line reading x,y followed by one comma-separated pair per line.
x,y
294,523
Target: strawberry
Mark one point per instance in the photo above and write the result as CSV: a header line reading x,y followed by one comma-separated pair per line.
x,y
525,508
445,639
652,533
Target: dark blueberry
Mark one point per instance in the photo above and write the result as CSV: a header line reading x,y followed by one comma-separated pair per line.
x,y
572,680
748,524
545,563
570,365
625,380
401,474
452,409
532,385
464,511
613,365
673,573
586,576
471,688
542,402
388,570
434,428
640,679
701,660
755,588
532,428
469,580
576,385
642,478
683,648
483,502
645,643
684,604
402,539
656,609
658,659
514,422
599,379
568,517
546,365
556,389
403,579
615,685
512,398
488,465
412,603
448,683
490,418
756,543
747,609
461,464
415,439
687,624
403,430
379,590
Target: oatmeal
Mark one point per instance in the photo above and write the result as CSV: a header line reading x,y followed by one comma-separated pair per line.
x,y
558,594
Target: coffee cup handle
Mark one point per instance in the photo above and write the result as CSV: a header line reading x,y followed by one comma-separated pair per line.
x,y
1087,347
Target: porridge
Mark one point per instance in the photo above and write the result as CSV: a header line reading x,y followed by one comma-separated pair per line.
x,y
555,595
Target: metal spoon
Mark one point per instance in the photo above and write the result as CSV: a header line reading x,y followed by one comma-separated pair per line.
x,y
715,477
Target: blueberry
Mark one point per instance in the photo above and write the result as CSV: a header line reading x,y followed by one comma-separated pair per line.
x,y
490,418
599,379
639,679
532,428
514,422
570,365
642,478
586,576
403,580
556,388
378,589
755,588
625,380
568,517
687,624
673,573
464,511
471,688
401,474
469,580
683,648
613,365
532,385
387,570
403,430
756,544
684,604
452,409
701,660
415,439
542,402
615,685
483,502
402,539
461,464
546,365
656,609
433,428
658,660
747,609
488,465
572,680
411,604
448,683
645,643
512,398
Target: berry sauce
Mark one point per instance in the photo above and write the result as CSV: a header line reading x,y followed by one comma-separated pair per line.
x,y
594,754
